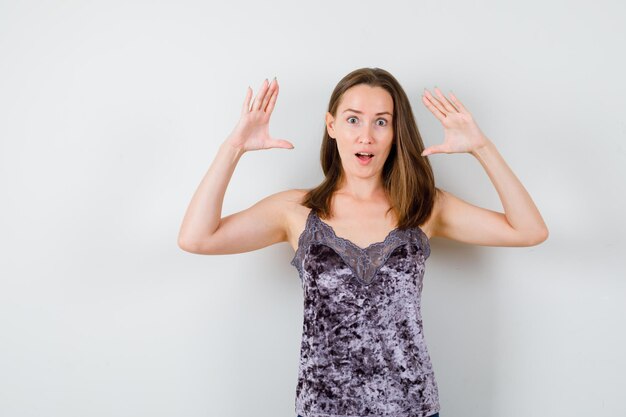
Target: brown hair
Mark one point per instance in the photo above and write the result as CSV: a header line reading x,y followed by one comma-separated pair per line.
x,y
407,176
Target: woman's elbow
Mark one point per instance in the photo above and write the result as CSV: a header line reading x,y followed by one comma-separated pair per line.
x,y
539,237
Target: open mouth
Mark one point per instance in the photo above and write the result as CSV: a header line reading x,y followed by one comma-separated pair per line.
x,y
364,156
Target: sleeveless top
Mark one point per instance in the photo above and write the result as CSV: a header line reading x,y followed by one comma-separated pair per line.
x,y
363,352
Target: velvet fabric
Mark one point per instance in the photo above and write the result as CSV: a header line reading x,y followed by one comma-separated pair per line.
x,y
363,352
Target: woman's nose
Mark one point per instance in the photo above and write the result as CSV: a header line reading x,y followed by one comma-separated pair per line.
x,y
366,134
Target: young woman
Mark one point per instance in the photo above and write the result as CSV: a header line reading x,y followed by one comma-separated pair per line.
x,y
361,237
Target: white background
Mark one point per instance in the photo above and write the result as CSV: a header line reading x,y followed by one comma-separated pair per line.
x,y
111,113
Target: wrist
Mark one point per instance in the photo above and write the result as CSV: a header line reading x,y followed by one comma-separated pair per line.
x,y
480,151
233,148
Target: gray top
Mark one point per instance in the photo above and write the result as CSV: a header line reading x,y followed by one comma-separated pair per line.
x,y
363,352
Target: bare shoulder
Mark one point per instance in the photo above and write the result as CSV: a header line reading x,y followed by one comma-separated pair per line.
x,y
288,205
289,201
295,216
293,196
430,226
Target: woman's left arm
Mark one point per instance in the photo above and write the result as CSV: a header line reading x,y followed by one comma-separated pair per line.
x,y
521,223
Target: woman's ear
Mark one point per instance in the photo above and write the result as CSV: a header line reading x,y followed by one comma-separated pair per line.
x,y
330,125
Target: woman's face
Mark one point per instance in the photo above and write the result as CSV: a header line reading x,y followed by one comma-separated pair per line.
x,y
363,123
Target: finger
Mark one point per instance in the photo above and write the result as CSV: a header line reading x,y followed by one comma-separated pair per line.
x,y
270,93
279,143
433,109
256,98
433,149
246,102
259,98
444,100
272,102
435,102
458,103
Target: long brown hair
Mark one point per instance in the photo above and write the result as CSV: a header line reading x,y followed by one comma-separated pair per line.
x,y
407,176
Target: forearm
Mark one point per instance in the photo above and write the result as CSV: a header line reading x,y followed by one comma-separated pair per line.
x,y
205,210
519,208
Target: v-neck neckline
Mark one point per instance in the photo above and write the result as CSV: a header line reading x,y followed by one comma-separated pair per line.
x,y
351,243
363,262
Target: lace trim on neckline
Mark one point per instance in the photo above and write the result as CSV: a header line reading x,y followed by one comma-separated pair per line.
x,y
349,242
364,262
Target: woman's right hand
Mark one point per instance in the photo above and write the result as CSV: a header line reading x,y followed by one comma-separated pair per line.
x,y
252,131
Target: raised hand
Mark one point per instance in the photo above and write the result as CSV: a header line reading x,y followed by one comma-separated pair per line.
x,y
461,133
252,131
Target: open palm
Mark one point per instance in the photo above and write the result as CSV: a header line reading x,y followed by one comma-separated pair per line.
x,y
461,133
252,132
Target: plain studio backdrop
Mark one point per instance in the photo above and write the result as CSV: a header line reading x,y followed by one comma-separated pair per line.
x,y
111,113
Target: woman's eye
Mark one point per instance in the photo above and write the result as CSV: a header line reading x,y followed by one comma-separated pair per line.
x,y
384,122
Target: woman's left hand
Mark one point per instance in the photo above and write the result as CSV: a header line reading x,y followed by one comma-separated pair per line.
x,y
461,133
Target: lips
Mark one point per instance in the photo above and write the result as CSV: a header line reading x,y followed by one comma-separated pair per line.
x,y
364,159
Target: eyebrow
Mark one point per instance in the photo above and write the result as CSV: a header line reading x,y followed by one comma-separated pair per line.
x,y
360,112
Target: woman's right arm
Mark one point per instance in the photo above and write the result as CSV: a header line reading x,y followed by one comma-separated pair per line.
x,y
203,229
